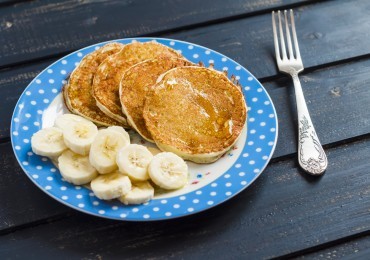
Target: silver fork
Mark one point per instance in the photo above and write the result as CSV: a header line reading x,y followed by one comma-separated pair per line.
x,y
311,156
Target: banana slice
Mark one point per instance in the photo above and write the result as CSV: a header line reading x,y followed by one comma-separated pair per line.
x,y
168,171
140,192
64,121
105,147
78,132
120,130
111,186
76,168
133,160
48,142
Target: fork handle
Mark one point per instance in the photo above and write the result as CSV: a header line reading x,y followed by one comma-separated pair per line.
x,y
311,155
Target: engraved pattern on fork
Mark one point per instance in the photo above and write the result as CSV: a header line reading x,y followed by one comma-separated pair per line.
x,y
311,156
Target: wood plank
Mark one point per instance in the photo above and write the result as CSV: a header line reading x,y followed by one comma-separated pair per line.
x,y
318,25
21,201
282,212
336,97
336,104
86,22
357,248
327,32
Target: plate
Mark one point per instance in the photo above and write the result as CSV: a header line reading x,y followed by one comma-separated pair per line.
x,y
209,184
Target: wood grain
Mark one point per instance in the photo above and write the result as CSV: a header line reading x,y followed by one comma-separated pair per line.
x,y
317,27
42,28
21,201
336,104
282,212
326,32
357,248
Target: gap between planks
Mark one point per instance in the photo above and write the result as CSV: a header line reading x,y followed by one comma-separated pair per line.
x,y
327,245
6,3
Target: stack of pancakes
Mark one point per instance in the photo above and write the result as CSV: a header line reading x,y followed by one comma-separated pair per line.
x,y
195,112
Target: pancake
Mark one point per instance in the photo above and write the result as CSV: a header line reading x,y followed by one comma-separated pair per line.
x,y
134,87
109,74
77,92
195,112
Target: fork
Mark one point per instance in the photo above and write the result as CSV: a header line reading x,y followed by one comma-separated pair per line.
x,y
311,156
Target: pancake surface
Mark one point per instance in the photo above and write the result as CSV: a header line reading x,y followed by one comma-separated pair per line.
x,y
109,74
135,84
195,112
77,92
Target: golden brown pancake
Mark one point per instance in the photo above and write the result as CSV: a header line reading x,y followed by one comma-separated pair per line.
x,y
195,112
109,74
77,92
135,84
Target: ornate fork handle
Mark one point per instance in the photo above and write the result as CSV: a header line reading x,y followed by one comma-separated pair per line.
x,y
311,155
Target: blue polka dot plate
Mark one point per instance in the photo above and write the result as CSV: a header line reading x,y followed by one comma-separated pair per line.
x,y
209,184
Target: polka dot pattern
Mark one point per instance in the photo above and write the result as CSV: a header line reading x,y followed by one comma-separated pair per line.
x,y
261,138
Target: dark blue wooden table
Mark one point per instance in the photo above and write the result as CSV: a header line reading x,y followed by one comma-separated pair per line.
x,y
285,213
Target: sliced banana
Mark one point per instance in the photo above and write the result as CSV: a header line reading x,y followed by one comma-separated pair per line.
x,y
111,186
168,171
140,192
120,130
78,132
76,168
105,147
133,160
48,142
64,121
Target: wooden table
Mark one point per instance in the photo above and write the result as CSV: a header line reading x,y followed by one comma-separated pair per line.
x,y
285,213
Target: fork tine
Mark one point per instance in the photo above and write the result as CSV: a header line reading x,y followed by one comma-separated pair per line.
x,y
288,39
282,41
276,41
296,47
